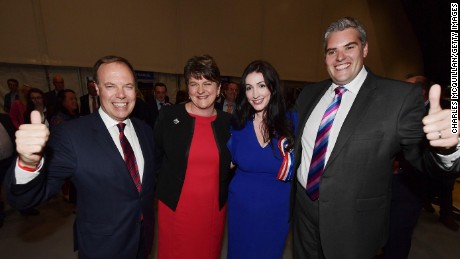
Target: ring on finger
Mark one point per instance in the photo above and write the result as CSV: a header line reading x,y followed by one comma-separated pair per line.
x,y
439,134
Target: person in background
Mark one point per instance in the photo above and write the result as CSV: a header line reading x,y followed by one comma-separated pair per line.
x,y
12,95
231,90
36,102
18,108
351,126
160,92
89,102
51,97
158,101
110,159
67,107
181,97
141,109
258,199
193,179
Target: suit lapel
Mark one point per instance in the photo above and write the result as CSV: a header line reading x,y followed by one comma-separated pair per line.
x,y
103,139
357,112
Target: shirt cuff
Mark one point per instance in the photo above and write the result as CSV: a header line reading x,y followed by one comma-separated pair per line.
x,y
447,161
24,176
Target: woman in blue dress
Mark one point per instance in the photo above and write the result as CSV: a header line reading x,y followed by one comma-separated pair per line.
x,y
260,145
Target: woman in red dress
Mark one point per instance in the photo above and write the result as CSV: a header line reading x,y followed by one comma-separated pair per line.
x,y
194,175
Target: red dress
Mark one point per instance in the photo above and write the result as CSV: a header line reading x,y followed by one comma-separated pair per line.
x,y
195,229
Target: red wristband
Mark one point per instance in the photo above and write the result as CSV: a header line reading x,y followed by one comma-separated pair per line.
x,y
26,168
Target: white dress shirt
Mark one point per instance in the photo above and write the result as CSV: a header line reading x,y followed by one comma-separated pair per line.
x,y
90,102
313,122
225,106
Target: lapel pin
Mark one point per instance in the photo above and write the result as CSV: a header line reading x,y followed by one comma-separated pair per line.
x,y
176,121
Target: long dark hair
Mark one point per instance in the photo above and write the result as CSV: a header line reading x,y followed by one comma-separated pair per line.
x,y
275,121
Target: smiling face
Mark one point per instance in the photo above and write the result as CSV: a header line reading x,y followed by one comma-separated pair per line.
x,y
231,91
160,93
257,92
203,93
344,55
116,90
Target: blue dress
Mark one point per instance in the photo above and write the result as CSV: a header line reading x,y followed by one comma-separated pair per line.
x,y
258,203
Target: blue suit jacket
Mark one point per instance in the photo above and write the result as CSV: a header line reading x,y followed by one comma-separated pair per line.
x,y
108,222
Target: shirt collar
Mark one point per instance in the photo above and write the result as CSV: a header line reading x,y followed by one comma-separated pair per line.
x,y
109,122
354,85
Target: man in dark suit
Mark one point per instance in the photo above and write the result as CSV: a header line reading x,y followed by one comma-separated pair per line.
x,y
12,95
341,193
51,99
112,167
90,101
230,90
159,100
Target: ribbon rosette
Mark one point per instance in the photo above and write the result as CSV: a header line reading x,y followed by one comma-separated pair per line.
x,y
287,166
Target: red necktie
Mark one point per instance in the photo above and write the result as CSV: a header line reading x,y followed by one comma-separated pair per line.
x,y
229,108
322,138
130,158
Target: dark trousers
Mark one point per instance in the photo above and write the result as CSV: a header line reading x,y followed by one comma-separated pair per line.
x,y
306,239
142,252
406,206
442,188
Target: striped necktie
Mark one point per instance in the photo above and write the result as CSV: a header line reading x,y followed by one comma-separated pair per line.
x,y
130,158
322,138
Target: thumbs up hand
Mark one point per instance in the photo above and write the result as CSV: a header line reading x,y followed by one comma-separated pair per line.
x,y
31,141
437,123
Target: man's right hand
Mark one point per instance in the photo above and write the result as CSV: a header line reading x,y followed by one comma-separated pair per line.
x,y
31,141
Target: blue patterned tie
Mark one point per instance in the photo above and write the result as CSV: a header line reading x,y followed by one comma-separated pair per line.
x,y
318,157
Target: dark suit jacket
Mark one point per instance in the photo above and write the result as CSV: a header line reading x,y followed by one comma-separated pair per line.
x,y
219,106
356,184
9,127
108,222
51,102
84,105
152,107
7,102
